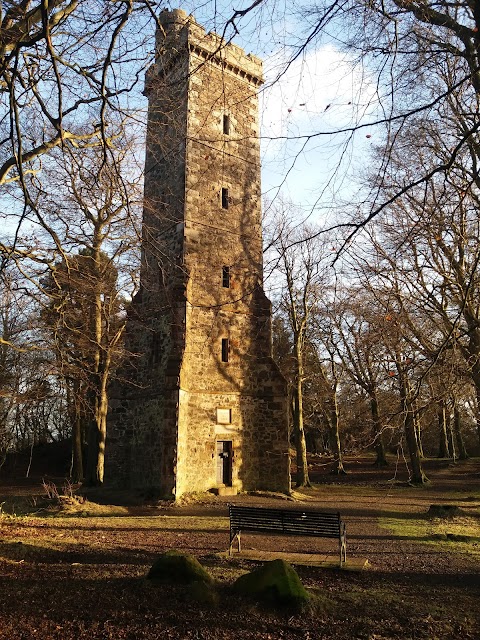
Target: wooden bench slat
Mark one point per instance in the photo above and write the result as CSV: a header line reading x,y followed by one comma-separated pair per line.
x,y
301,522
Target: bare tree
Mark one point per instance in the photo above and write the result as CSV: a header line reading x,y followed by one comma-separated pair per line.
x,y
87,292
10,351
29,399
357,340
80,262
300,278
330,373
68,69
432,234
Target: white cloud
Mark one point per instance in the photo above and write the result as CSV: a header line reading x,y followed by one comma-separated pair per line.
x,y
322,91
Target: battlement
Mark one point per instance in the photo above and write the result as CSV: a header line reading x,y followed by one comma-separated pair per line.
x,y
176,25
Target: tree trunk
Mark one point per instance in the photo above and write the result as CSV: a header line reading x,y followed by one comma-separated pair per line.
x,y
335,435
477,417
443,449
417,429
451,440
3,431
77,451
76,419
91,477
381,460
99,402
302,479
457,423
98,433
27,474
417,476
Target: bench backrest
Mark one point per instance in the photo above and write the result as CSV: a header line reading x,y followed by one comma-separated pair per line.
x,y
285,521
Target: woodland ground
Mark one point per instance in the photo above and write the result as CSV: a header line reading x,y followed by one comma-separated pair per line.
x,y
79,572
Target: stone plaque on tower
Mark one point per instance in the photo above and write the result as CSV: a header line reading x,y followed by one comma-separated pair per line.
x,y
200,404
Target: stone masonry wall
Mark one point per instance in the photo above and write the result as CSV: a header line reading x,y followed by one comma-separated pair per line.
x,y
249,384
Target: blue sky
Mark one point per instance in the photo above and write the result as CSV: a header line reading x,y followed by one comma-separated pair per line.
x,y
321,91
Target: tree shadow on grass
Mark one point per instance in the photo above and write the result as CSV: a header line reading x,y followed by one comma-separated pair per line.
x,y
92,555
82,554
52,605
87,596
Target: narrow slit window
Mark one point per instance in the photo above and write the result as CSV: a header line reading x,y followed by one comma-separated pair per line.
x,y
226,277
225,349
224,198
226,124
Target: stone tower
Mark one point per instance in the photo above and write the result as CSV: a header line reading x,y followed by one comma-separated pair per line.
x,y
202,404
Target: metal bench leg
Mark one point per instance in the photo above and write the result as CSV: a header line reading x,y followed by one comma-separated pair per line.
x,y
237,536
343,551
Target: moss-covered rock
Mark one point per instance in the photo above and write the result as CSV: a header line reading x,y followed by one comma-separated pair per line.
x,y
178,568
203,593
276,581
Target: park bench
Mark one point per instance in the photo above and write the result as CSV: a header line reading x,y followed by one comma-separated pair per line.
x,y
292,522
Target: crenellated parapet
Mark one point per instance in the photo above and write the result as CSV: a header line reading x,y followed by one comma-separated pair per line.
x,y
179,31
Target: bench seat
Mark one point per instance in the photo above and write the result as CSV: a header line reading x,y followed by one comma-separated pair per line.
x,y
294,522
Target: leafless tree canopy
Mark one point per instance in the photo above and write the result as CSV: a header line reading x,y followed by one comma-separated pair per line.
x,y
381,349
